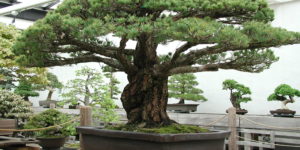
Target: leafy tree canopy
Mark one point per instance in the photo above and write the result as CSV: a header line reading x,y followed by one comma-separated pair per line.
x,y
52,117
105,109
52,83
13,106
238,30
113,82
283,92
183,87
88,88
26,90
10,71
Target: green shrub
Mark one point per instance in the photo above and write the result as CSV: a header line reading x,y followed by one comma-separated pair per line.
x,y
13,106
52,117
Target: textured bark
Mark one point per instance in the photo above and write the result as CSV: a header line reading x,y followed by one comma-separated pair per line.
x,y
49,95
87,92
145,100
145,97
233,100
285,102
181,101
26,98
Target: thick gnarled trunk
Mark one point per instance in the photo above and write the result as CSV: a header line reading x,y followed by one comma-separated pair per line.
x,y
145,100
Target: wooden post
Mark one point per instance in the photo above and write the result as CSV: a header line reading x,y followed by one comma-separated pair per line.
x,y
85,116
247,137
85,120
232,141
52,105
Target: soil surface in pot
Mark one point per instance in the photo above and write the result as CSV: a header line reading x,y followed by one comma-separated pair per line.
x,y
240,111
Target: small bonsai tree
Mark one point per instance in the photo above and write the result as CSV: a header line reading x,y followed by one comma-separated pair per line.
x,y
183,87
51,85
87,88
113,82
106,112
48,118
25,90
13,106
238,93
285,94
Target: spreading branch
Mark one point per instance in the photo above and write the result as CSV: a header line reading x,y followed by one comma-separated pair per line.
x,y
83,59
122,58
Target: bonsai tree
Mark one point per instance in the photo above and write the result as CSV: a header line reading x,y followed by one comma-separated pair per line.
x,y
51,85
13,106
223,34
113,82
182,86
106,110
48,118
87,88
10,71
26,90
285,94
238,93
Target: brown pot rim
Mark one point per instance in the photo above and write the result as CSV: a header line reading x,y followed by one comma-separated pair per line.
x,y
183,104
153,136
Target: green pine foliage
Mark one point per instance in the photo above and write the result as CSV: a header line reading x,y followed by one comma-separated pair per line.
x,y
49,118
87,88
26,90
104,110
238,92
75,23
183,87
51,85
10,71
283,92
113,82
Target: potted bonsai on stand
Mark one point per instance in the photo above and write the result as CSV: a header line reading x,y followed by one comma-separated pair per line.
x,y
77,32
183,87
51,85
285,94
26,90
84,89
53,138
238,94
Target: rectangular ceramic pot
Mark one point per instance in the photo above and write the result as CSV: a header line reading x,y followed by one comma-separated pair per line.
x,y
7,124
182,108
101,139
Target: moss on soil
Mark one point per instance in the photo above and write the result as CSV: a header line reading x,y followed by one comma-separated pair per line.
x,y
172,129
75,145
